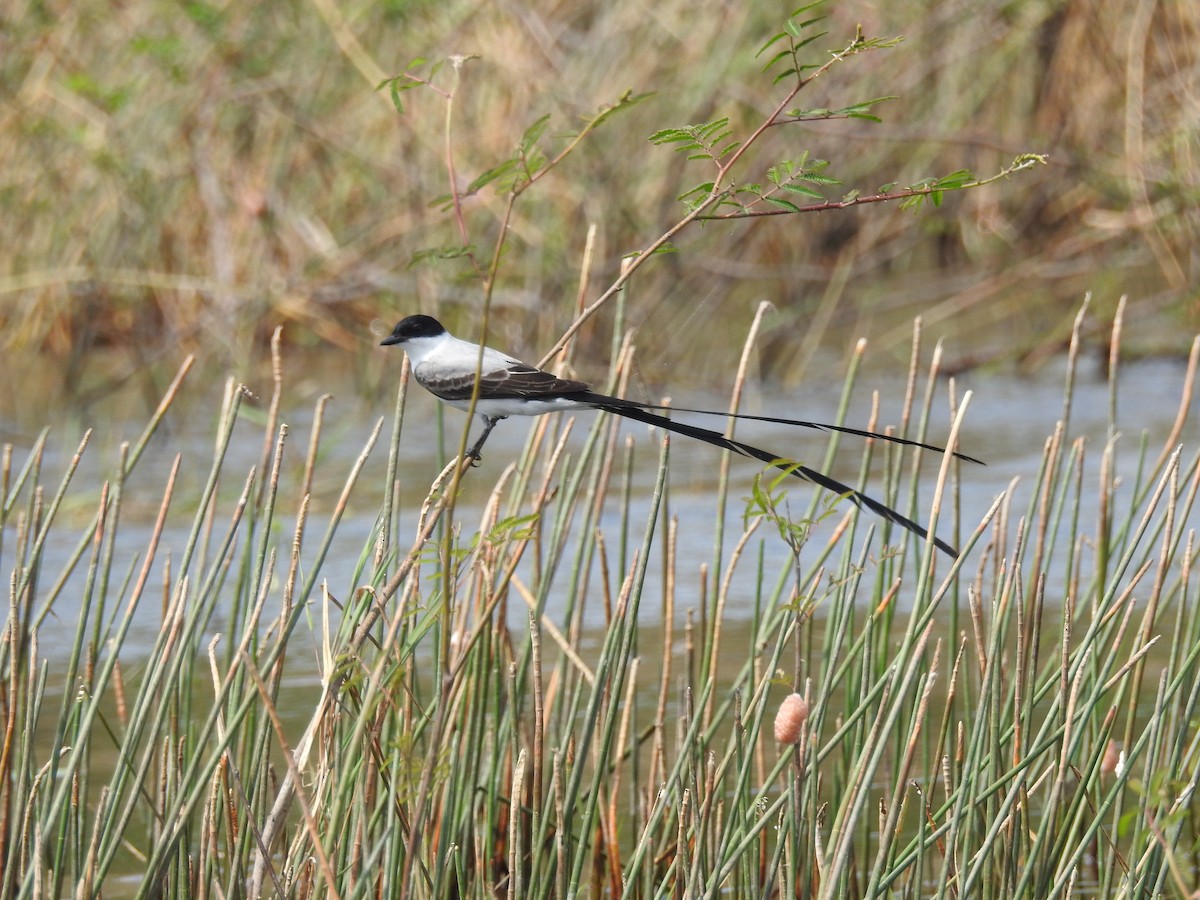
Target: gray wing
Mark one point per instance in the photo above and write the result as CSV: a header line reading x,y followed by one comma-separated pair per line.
x,y
516,381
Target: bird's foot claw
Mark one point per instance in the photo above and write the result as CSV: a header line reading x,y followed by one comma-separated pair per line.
x,y
473,458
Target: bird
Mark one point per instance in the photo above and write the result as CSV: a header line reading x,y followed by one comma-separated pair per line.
x,y
449,368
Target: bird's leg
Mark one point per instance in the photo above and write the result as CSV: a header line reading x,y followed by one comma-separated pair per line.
x,y
489,422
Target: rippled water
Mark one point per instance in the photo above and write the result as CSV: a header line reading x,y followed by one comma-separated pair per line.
x,y
1007,424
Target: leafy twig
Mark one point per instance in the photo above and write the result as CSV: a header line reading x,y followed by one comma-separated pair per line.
x,y
912,196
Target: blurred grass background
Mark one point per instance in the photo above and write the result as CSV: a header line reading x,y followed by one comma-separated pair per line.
x,y
191,174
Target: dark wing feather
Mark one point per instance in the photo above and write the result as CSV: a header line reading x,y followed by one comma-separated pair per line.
x,y
506,384
804,472
601,401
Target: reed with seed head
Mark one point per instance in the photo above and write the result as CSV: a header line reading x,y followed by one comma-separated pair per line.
x,y
863,736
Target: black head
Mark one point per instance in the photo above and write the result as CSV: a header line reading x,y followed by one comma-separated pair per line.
x,y
413,327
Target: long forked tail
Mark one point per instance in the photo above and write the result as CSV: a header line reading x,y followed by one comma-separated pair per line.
x,y
617,404
638,414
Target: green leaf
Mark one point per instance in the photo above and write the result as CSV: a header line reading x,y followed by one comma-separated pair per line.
x,y
442,201
781,55
955,180
704,189
438,254
706,130
809,40
512,528
534,132
397,86
533,162
817,178
625,101
802,191
782,204
492,174
670,136
867,104
697,140
767,46
668,247
805,8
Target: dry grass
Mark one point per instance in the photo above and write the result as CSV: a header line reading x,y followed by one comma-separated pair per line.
x,y
195,175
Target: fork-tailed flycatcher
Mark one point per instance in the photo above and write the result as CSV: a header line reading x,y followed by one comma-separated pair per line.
x,y
448,367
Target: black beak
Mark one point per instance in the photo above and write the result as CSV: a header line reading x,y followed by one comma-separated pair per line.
x,y
389,340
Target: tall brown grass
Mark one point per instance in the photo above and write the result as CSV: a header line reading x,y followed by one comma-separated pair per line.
x,y
194,175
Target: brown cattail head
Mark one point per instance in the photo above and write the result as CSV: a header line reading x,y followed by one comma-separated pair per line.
x,y
789,721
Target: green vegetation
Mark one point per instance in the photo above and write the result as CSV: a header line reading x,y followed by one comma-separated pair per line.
x,y
1021,725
